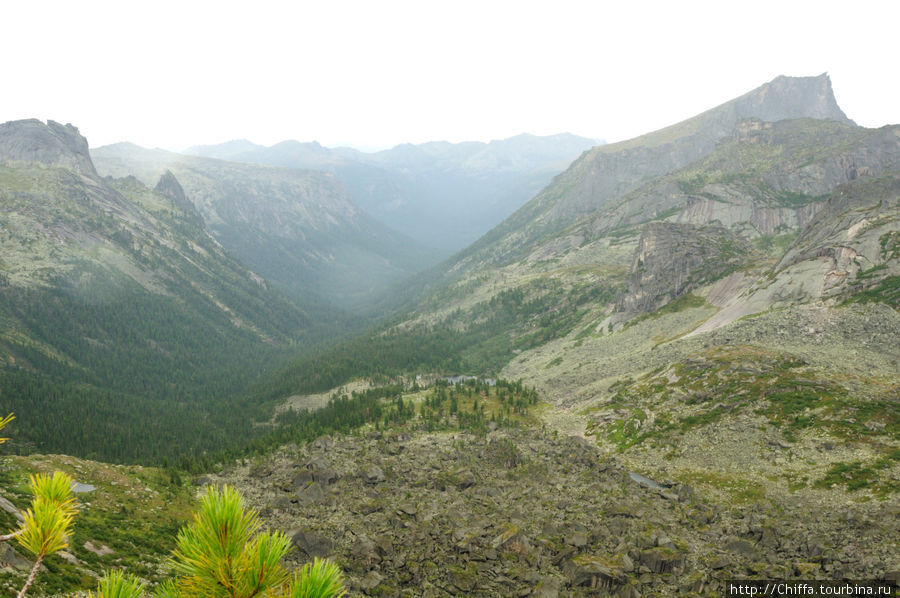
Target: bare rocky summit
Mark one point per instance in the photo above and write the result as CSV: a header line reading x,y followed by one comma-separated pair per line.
x,y
29,142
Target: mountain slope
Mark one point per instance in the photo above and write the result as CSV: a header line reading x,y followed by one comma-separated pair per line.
x,y
742,205
443,194
760,263
117,305
608,172
299,229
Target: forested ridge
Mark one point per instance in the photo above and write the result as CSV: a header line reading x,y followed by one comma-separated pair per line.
x,y
126,332
146,380
136,380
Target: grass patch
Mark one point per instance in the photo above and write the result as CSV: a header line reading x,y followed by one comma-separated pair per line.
x,y
700,390
739,490
858,476
774,245
886,291
553,363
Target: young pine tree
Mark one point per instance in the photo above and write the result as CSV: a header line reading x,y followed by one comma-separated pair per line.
x,y
222,554
47,525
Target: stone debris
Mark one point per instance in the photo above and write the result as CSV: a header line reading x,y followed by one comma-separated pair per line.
x,y
447,516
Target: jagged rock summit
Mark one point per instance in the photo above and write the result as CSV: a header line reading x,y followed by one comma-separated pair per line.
x,y
31,142
169,186
608,172
788,97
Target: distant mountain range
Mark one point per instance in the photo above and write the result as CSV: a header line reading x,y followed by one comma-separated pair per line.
x,y
445,195
298,228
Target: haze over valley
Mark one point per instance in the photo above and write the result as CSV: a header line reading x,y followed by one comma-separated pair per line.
x,y
585,324
699,286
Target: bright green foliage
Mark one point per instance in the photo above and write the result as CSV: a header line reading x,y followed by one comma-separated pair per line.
x,y
116,584
46,528
316,580
56,488
219,553
48,522
3,422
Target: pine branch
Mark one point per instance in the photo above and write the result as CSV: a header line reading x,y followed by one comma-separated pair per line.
x,y
9,537
31,576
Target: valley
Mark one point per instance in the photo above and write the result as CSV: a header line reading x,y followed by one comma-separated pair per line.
x,y
712,307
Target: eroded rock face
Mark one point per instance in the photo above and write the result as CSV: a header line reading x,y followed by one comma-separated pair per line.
x,y
10,558
671,259
31,142
764,178
856,229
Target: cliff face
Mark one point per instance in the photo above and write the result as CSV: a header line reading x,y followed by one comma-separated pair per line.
x,y
672,259
855,237
763,179
31,142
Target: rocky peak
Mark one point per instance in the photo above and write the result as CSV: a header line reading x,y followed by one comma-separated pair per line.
x,y
169,186
791,97
29,142
608,172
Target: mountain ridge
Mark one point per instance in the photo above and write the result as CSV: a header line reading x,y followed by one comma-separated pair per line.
x,y
440,193
298,228
608,172
116,304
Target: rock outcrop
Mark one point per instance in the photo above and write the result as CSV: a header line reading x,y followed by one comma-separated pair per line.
x,y
169,186
31,142
671,259
853,228
765,178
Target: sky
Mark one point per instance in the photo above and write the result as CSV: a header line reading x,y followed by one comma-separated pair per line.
x,y
376,73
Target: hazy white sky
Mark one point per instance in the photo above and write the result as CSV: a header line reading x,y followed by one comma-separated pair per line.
x,y
375,73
